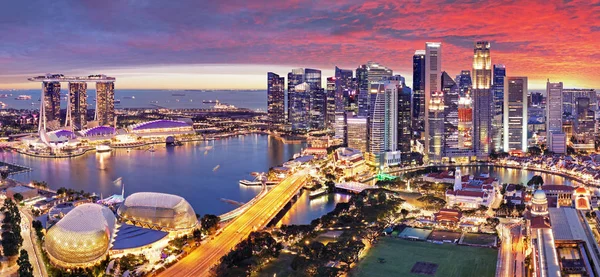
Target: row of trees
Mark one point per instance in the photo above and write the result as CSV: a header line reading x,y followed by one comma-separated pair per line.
x,y
11,229
258,248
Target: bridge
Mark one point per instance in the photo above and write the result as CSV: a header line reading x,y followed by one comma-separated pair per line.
x,y
255,217
354,187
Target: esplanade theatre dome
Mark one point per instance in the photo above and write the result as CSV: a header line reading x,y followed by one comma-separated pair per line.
x,y
159,211
82,237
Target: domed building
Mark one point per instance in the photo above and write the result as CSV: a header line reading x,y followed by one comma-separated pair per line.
x,y
539,203
159,211
82,238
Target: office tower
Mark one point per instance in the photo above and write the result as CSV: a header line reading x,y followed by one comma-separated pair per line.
x,y
330,103
405,122
105,103
465,124
344,88
584,122
536,99
515,114
311,98
357,134
570,97
378,117
554,111
275,100
450,136
52,101
341,126
464,82
435,117
77,110
498,108
482,99
366,74
418,87
433,80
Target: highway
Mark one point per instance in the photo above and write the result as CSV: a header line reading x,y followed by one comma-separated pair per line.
x,y
200,260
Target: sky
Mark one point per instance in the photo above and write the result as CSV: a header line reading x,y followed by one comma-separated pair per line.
x,y
232,44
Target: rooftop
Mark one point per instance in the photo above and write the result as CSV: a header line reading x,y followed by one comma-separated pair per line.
x,y
129,236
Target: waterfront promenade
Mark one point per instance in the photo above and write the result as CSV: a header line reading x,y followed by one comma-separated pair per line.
x,y
256,217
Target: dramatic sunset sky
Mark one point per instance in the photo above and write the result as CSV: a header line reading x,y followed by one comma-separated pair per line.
x,y
195,44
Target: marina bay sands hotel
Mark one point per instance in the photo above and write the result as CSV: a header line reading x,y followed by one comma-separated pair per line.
x,y
77,105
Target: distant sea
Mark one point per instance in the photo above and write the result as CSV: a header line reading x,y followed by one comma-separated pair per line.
x,y
250,99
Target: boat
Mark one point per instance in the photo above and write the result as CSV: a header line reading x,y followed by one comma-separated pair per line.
x,y
208,101
216,167
117,101
177,94
23,97
2,104
103,148
5,95
153,102
223,106
316,193
129,97
151,149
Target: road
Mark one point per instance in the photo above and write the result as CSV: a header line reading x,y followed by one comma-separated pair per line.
x,y
29,244
200,260
511,254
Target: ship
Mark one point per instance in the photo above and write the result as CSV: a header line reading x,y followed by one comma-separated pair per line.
x,y
216,167
223,106
103,148
208,101
177,94
23,97
129,97
5,95
117,101
2,105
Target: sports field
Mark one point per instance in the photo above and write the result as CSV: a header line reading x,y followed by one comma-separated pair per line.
x,y
397,257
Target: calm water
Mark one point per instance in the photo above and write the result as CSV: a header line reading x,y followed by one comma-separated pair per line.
x,y
193,99
516,176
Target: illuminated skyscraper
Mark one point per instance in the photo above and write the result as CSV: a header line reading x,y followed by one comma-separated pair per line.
x,y
306,108
105,103
275,100
498,108
331,102
482,99
344,87
418,124
515,114
52,101
77,104
554,112
366,74
357,135
464,82
452,149
434,108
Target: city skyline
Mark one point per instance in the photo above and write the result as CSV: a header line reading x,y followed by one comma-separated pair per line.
x,y
210,43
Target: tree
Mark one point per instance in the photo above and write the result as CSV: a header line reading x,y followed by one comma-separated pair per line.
x,y
25,268
18,197
209,223
330,186
404,213
61,191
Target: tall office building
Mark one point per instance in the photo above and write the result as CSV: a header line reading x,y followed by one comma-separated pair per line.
x,y
482,99
585,123
105,103
366,74
331,102
515,114
498,108
570,97
344,88
405,123
52,101
465,123
554,112
452,149
341,126
379,119
357,133
306,108
77,110
433,114
418,86
464,82
275,100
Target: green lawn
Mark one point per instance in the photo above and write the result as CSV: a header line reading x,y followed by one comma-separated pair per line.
x,y
400,256
280,267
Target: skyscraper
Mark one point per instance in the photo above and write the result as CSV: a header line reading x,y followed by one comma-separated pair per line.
x,y
498,109
570,98
515,114
464,82
554,111
357,134
405,123
307,107
105,103
331,102
366,74
433,114
344,87
78,104
482,99
418,86
275,100
452,148
52,101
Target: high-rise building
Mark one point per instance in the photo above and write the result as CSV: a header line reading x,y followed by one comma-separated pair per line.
x,y
344,88
366,74
77,109
433,106
498,108
554,111
105,103
275,100
405,122
52,101
515,114
307,107
357,133
465,123
585,123
341,126
570,97
464,82
418,86
452,149
331,102
482,99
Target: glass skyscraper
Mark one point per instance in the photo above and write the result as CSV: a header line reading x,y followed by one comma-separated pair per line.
x,y
105,103
498,94
434,106
515,114
418,86
78,104
306,99
365,75
52,101
275,100
482,99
